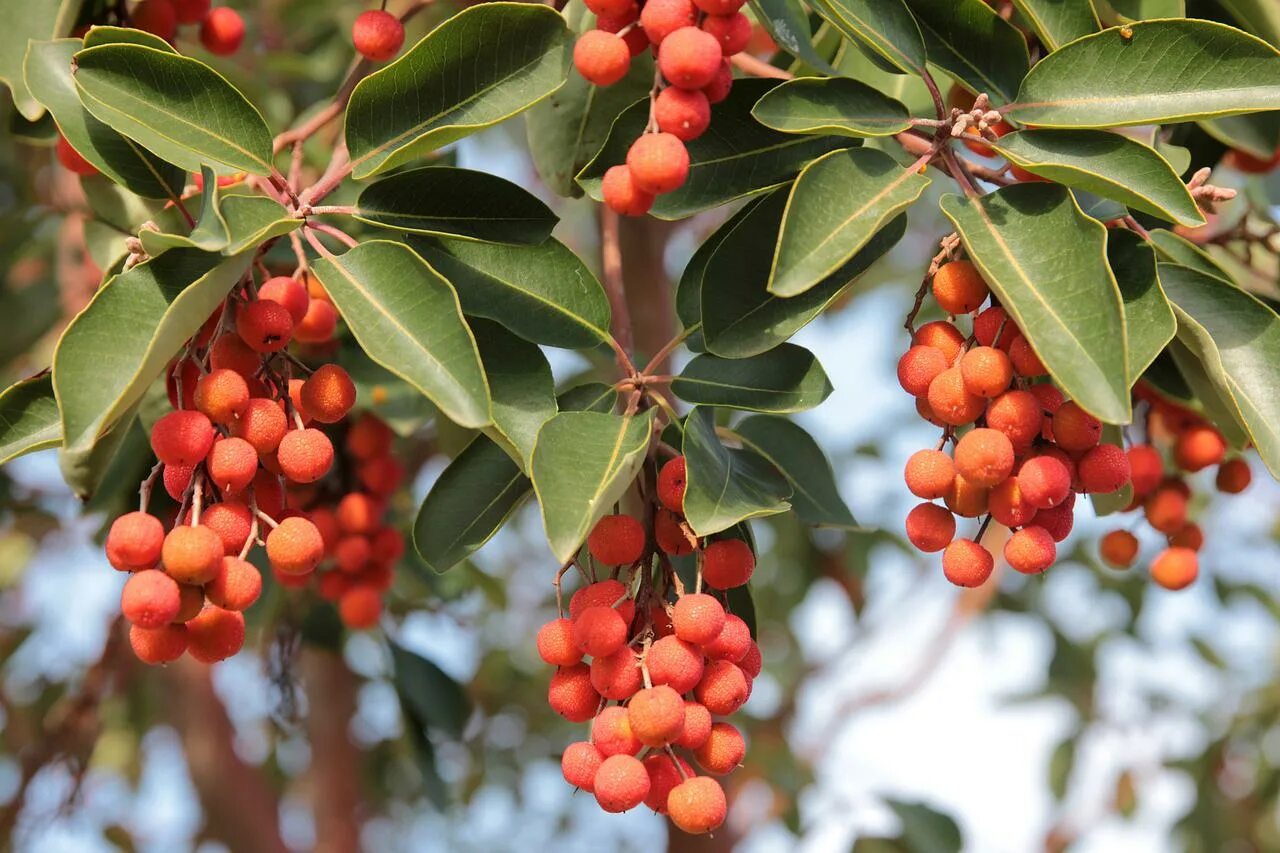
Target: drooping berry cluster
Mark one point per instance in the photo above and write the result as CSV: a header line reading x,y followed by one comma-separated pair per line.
x,y
221,29
664,663
1019,450
693,40
1165,498
241,444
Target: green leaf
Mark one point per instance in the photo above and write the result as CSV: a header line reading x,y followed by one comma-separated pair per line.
x,y
1106,164
1128,11
740,317
48,76
583,463
117,346
209,233
177,107
724,485
788,25
689,288
797,456
436,700
837,205
1057,22
99,35
588,397
568,128
968,40
86,469
407,318
28,418
1256,133
1260,17
229,224
544,294
1046,261
884,26
1178,249
736,158
836,105
520,382
1237,339
785,379
1148,317
485,64
1061,763
24,22
457,202
1110,79
253,220
1208,397
924,828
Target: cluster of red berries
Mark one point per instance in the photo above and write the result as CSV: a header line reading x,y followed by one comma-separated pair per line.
x,y
221,29
664,663
1164,499
1026,451
378,35
693,40
240,430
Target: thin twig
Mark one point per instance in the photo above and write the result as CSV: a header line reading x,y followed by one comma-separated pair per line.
x,y
615,288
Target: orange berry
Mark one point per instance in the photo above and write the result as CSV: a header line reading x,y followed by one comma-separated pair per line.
x,y
616,540
158,645
675,662
1175,568
381,475
265,326
1074,429
940,335
732,32
621,194
697,618
134,542
951,401
689,58
215,634
719,7
625,13
288,292
1198,447
611,732
360,607
926,413
669,535
294,546
664,774
1103,469
328,394
177,478
616,676
599,631
305,455
986,371
1030,550
684,113
723,688
236,586
352,553
602,58
150,599
555,643
232,521
995,321
263,425
1008,506
377,35
1057,520
930,527
1190,537
660,18
1118,548
232,464
1017,414
984,457
359,513
369,437
659,162
966,563
697,805
230,353
1233,477
605,593
571,695
918,367
656,715
728,563
722,751
752,662
1166,509
731,643
621,783
222,31
929,474
697,726
580,763
222,394
966,499
958,288
1025,361
1045,481
672,481
182,438
268,492
192,555
318,324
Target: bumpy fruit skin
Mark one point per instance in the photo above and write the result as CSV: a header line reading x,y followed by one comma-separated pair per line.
x,y
264,326
718,89
192,555
689,58
697,805
289,292
966,563
1057,520
929,474
602,594
1233,477
617,540
986,371
722,751
723,688
222,395
1025,361
731,32
1008,506
918,367
612,8
231,353
150,599
621,783
940,335
671,484
1119,548
1045,481
377,35
675,662
669,535
697,618
967,499
752,662
659,162
1017,414
1103,469
728,563
731,643
295,546
1175,568
697,725
182,438
305,455
616,676
602,58
263,425
951,401
71,160
636,38
1030,550
1199,447
134,542
984,457
660,18
222,31
1074,429
684,113
571,695
232,521
719,7
579,765
215,634
555,643
989,323
599,631
664,774
318,324
158,645
232,464
621,193
930,527
958,288
236,586
156,17
611,732
656,715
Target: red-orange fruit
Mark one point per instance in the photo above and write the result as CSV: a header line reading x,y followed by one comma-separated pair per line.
x,y
616,540
191,11
1049,397
232,521
718,89
697,805
719,7
602,58
664,775
305,455
1166,509
318,324
1233,477
995,321
697,725
613,8
177,478
606,593
728,563
660,18
222,31
192,555
697,618
669,535
1103,469
966,563
263,425
752,662
289,292
1008,506
1074,429
616,676
222,394
1198,447
671,484
684,113
230,353
156,17
134,542
929,474
986,371
236,586
958,288
951,401
182,438
656,715
555,643
268,492
636,38
72,160
294,546
918,367
621,783
984,457
732,32
731,643
215,634
1243,161
723,688
722,751
359,513
571,695
264,326
940,335
611,732
1190,537
660,620
579,764
599,631
360,607
1045,481
675,662
621,193
150,599
1175,568
191,602
1119,548
930,527
1025,361
328,394
659,162
352,553
1057,520
381,475
966,499
1030,550
377,35
232,464
1017,414
158,645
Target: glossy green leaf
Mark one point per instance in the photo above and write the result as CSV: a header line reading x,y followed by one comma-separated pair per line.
x,y
884,26
1178,249
87,468
116,347
968,40
568,128
544,294
689,287
99,35
1237,339
407,318
229,224
1111,79
1255,133
785,379
798,457
1148,318
28,418
1127,11
437,701
588,397
582,464
209,234
485,64
459,203
736,158
1046,261
24,22
788,25
1260,17
1208,396
740,317
176,107
1057,22
836,206
835,105
253,220
725,485
1106,164
48,77
520,382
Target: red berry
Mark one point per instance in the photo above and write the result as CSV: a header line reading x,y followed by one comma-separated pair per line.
x,y
617,540
659,162
684,113
182,438
660,18
621,194
150,599
289,292
728,563
731,32
71,160
602,58
671,484
157,17
222,31
690,58
377,35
